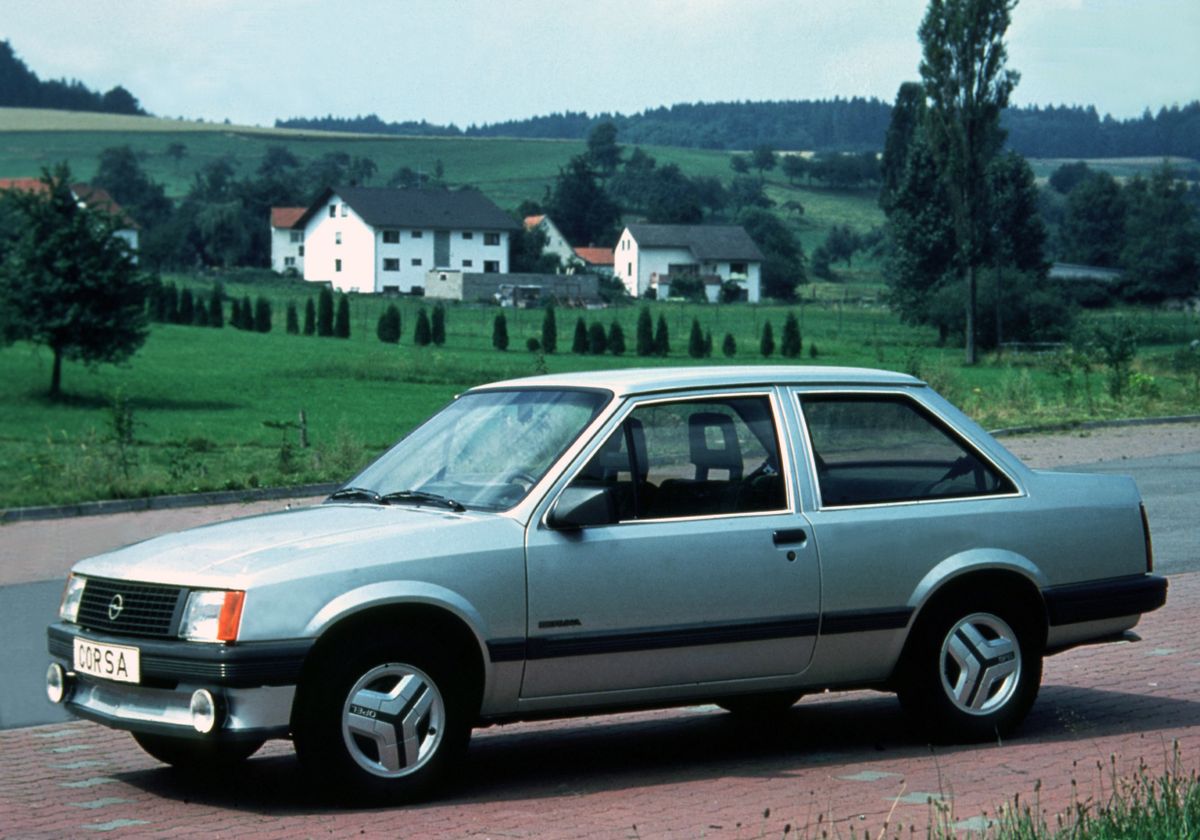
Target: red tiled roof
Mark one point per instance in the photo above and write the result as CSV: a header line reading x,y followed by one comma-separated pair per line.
x,y
533,221
22,184
285,217
596,256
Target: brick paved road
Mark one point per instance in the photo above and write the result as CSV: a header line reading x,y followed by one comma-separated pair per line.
x,y
840,761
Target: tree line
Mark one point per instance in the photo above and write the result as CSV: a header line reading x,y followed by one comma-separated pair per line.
x,y
20,87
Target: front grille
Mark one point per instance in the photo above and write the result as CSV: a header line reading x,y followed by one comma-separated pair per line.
x,y
146,609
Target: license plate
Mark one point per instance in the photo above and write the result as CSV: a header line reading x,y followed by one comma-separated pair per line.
x,y
109,662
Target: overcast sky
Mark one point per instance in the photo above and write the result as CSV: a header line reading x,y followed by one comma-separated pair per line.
x,y
475,61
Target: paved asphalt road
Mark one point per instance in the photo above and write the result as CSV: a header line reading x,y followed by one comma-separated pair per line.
x,y
1169,484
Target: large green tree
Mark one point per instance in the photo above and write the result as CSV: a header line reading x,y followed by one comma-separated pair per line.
x,y
967,86
1093,226
783,266
68,283
1162,240
581,208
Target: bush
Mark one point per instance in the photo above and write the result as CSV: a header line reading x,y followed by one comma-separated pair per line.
x,y
216,315
549,331
388,328
325,312
696,340
645,333
616,339
341,325
437,329
293,319
187,308
729,346
200,319
262,315
247,315
310,318
662,338
708,344
500,332
533,345
422,336
790,346
597,339
766,345
579,344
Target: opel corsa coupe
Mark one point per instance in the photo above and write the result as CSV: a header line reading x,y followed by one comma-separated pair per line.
x,y
576,543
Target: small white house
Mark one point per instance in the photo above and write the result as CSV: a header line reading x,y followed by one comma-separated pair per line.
x,y
556,243
372,239
94,198
648,256
287,241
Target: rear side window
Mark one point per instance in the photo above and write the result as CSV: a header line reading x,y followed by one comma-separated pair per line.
x,y
874,449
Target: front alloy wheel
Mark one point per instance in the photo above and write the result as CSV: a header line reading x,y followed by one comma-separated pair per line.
x,y
393,720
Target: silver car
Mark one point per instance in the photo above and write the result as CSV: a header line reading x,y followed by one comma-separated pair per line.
x,y
585,542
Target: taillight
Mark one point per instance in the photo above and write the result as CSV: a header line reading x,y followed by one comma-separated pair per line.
x,y
1146,536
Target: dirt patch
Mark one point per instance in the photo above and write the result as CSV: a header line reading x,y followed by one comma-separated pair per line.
x,y
1087,446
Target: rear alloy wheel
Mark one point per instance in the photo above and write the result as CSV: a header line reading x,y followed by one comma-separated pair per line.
x,y
194,754
386,725
972,675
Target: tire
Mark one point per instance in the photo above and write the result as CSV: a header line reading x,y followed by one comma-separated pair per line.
x,y
755,706
973,669
384,725
195,755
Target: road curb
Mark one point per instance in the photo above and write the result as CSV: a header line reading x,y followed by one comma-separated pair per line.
x,y
218,497
1094,424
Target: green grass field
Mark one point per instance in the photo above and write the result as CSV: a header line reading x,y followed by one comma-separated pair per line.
x,y
207,403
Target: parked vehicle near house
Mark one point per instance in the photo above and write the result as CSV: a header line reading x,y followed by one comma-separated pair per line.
x,y
577,543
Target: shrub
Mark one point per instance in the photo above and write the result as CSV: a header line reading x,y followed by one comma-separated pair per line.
x,y
790,345
310,318
500,332
341,324
293,319
235,315
729,346
767,345
437,331
325,312
662,338
421,333
616,339
597,339
262,315
216,315
708,344
696,340
549,331
645,333
187,308
533,345
200,318
579,344
388,328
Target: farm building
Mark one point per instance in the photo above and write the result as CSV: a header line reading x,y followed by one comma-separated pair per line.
x,y
287,242
86,195
370,239
556,243
509,289
596,260
649,256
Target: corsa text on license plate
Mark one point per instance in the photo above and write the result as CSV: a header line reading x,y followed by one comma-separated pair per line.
x,y
111,662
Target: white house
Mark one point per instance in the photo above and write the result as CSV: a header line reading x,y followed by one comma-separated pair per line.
x,y
556,243
86,195
287,241
372,239
648,256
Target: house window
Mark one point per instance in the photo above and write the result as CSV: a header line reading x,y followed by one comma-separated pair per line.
x,y
417,234
337,237
332,210
337,265
343,209
391,237
301,250
629,269
391,264
416,261
468,263
737,268
295,236
468,234
491,239
289,262
491,266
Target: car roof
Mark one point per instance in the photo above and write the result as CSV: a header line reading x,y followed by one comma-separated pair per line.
x,y
630,381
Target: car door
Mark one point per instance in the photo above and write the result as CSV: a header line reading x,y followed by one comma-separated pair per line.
x,y
702,573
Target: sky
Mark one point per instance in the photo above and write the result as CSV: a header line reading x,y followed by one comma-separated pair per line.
x,y
478,61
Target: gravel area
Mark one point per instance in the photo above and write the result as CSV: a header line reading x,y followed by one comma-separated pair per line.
x,y
1087,446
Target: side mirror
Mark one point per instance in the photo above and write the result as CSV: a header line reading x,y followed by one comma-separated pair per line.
x,y
579,507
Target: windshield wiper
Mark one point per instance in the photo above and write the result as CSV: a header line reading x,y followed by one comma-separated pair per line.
x,y
355,494
420,496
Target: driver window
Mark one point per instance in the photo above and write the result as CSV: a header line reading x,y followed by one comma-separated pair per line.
x,y
691,458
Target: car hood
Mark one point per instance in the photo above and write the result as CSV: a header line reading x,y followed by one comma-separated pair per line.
x,y
241,550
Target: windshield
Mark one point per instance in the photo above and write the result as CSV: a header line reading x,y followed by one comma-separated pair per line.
x,y
485,450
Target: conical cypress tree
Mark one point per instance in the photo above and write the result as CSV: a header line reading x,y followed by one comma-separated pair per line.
x,y
310,318
325,312
421,334
170,304
247,314
708,344
200,318
696,340
262,315
500,332
235,314
645,333
216,314
293,319
437,329
767,345
597,339
154,300
789,345
187,308
729,346
549,331
388,328
341,324
616,339
662,339
579,344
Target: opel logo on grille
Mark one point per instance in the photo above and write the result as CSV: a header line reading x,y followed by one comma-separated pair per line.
x,y
115,606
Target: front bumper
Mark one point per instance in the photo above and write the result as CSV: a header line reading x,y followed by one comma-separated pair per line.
x,y
254,683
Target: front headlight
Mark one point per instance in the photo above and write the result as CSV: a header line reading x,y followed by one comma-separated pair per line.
x,y
68,610
212,615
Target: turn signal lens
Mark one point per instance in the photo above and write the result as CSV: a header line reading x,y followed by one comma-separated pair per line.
x,y
212,615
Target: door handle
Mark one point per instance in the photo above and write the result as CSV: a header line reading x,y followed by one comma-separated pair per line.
x,y
793,536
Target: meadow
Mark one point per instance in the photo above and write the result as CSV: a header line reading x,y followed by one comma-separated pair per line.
x,y
219,408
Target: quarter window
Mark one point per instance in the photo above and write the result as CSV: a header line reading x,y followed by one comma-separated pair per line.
x,y
691,458
873,449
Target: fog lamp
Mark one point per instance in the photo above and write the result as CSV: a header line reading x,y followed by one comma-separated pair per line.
x,y
56,683
204,711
